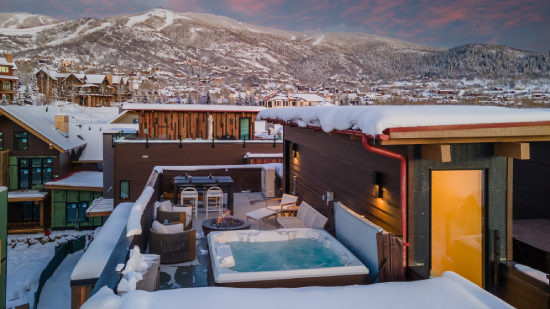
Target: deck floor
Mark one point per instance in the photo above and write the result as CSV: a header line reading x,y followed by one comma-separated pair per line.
x,y
30,227
194,273
534,232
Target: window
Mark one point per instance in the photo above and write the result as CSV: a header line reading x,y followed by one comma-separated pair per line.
x,y
20,141
244,128
4,69
135,121
31,212
34,172
7,85
124,189
100,167
1,141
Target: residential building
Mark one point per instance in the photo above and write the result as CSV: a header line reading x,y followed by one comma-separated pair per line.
x,y
281,99
8,80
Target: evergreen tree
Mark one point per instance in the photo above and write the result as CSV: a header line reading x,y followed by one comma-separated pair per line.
x,y
178,100
145,98
159,101
27,98
253,101
189,100
34,85
208,99
239,100
4,101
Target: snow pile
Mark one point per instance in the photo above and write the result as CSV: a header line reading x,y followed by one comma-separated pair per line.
x,y
28,255
133,225
449,291
373,120
134,270
93,261
539,275
57,290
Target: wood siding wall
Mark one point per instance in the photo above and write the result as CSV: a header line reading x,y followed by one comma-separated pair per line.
x,y
532,184
339,164
130,163
170,125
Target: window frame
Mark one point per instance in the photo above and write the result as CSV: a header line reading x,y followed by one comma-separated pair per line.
x,y
15,139
1,140
120,193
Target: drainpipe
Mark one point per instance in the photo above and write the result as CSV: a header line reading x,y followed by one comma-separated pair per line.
x,y
403,168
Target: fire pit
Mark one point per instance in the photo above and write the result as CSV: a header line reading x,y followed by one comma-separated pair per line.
x,y
224,223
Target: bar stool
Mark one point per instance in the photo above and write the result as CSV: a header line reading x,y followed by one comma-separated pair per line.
x,y
191,194
214,195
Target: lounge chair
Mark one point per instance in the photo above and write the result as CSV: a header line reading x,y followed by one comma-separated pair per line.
x,y
306,217
286,202
167,213
172,243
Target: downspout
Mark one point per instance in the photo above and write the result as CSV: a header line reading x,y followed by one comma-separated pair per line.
x,y
403,169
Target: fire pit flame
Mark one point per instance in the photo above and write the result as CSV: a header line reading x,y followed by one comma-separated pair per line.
x,y
225,221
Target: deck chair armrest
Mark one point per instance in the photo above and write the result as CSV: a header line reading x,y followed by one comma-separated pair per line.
x,y
288,204
271,200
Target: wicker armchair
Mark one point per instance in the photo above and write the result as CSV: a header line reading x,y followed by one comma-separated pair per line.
x,y
174,217
173,248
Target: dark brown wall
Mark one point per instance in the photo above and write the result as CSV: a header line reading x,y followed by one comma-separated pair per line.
x,y
339,164
37,147
129,163
532,185
92,167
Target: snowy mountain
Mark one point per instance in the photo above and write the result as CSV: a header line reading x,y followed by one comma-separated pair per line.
x,y
202,44
24,20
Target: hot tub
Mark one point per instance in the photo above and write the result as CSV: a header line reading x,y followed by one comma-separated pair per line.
x,y
282,258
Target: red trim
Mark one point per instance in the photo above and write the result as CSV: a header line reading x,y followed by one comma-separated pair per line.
x,y
468,126
70,174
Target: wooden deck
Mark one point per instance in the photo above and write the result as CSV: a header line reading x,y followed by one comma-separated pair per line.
x,y
27,227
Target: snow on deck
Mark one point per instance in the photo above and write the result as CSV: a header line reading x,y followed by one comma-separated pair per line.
x,y
79,179
191,107
95,258
277,166
26,194
450,291
373,120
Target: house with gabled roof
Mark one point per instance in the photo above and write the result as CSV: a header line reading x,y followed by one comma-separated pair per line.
x,y
282,99
8,80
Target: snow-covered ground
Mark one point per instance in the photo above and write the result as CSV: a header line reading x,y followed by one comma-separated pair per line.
x,y
27,258
57,290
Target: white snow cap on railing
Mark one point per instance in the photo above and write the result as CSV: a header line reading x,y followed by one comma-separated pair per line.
x,y
373,120
133,226
277,166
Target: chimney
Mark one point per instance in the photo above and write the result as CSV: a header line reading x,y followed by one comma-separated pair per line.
x,y
9,58
62,123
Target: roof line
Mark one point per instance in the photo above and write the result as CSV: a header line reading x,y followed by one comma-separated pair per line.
x,y
35,132
467,126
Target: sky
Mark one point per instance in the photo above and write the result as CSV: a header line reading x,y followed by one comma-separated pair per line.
x,y
522,24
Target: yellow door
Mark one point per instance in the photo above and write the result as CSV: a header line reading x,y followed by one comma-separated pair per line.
x,y
457,223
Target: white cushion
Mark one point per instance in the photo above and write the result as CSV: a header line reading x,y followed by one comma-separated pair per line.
x,y
167,229
187,210
166,206
288,199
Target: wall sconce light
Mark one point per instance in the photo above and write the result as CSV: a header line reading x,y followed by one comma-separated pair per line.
x,y
377,182
294,150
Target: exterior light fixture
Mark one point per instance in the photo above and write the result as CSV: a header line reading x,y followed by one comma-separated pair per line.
x,y
294,150
377,182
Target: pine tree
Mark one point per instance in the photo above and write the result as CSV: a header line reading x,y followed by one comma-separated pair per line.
x,y
145,98
238,100
4,101
189,100
159,101
34,85
253,101
27,99
208,99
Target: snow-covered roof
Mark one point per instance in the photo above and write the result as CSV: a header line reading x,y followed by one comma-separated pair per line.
x,y
95,258
27,194
93,136
192,107
79,179
5,62
373,120
43,122
94,78
282,96
449,291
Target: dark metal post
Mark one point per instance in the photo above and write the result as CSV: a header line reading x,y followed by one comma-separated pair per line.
x,y
179,136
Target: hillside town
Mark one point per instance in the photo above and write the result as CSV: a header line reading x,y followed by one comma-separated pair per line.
x,y
67,80
163,160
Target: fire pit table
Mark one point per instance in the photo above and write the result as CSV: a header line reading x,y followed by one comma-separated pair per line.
x,y
224,223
